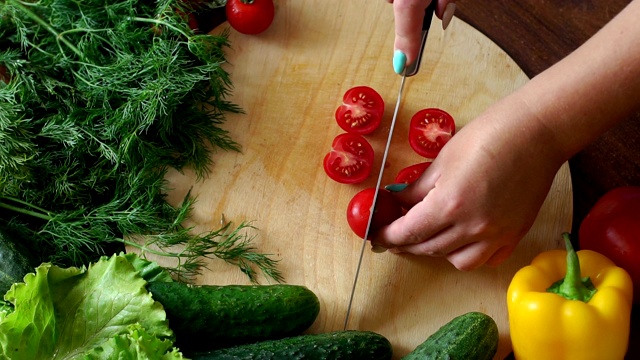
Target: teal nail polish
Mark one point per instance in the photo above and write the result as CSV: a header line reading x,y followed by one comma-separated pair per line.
x,y
396,187
399,61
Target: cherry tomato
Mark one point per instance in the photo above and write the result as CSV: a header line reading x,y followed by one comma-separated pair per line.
x,y
411,173
612,228
350,159
429,130
250,16
361,110
386,211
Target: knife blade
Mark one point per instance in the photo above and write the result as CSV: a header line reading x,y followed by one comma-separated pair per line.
x,y
409,71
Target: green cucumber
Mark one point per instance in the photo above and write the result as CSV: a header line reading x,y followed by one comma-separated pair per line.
x,y
209,317
337,345
471,336
15,263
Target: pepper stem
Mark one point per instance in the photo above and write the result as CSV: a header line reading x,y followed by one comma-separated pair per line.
x,y
573,287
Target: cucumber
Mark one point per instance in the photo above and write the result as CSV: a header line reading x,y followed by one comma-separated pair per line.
x,y
347,345
471,336
15,263
209,317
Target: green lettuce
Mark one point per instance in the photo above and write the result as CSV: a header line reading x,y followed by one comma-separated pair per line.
x,y
5,309
66,313
135,342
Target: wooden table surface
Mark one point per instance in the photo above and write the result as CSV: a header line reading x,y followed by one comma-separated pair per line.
x,y
537,34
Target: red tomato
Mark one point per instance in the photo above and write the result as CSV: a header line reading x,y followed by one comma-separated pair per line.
x,y
361,110
250,16
350,159
386,211
612,228
411,173
429,130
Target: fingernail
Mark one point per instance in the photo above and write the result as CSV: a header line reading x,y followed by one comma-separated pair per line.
x,y
447,16
378,249
396,187
399,61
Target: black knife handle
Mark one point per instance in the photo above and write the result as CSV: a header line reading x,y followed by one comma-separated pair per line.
x,y
426,24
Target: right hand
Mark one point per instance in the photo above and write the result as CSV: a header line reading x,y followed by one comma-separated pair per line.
x,y
408,16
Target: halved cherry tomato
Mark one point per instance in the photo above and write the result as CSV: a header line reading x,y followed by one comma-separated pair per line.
x,y
361,110
411,173
250,16
350,159
612,228
429,130
386,211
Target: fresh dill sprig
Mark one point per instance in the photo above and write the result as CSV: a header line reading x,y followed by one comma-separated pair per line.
x,y
97,100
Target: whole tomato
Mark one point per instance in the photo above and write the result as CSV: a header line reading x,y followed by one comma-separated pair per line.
x,y
387,210
250,16
612,228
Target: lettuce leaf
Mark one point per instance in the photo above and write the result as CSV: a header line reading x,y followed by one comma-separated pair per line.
x,y
138,344
5,309
65,313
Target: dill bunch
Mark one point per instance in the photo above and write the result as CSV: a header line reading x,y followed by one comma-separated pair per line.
x,y
98,99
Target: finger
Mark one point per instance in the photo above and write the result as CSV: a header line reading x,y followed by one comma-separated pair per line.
x,y
420,223
471,256
415,192
443,7
408,16
446,13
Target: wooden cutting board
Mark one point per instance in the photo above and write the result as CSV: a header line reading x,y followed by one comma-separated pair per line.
x,y
289,80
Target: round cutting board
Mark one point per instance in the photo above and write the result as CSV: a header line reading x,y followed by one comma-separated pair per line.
x,y
289,81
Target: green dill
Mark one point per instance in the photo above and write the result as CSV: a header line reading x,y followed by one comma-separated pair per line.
x,y
98,99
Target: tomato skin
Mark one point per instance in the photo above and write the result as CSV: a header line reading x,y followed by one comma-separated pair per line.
x,y
430,129
350,159
411,173
361,110
386,211
250,16
612,228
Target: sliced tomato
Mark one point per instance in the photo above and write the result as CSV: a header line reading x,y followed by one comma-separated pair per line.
x,y
411,173
387,210
361,110
429,130
350,159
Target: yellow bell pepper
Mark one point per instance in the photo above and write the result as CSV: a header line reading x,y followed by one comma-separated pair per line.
x,y
570,306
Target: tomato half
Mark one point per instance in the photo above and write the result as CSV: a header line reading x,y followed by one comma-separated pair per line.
x,y
350,159
386,211
612,228
361,110
429,130
250,16
411,173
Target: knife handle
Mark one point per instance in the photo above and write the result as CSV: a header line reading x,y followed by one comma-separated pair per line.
x,y
426,24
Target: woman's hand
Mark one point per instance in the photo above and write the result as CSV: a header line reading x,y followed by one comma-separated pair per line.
x,y
408,16
481,194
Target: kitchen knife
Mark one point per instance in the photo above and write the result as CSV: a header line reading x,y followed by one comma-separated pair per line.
x,y
409,71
